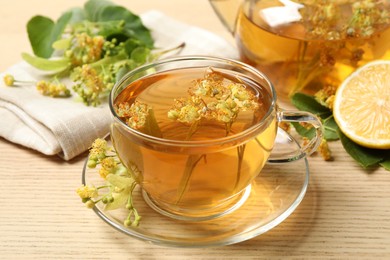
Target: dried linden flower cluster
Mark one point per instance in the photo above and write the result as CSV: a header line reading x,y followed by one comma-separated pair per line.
x,y
52,88
119,187
85,49
136,114
323,20
212,97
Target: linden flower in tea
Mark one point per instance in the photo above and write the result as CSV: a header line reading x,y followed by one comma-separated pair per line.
x,y
139,116
207,106
327,41
213,97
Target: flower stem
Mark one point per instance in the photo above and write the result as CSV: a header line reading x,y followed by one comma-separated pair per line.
x,y
240,157
192,161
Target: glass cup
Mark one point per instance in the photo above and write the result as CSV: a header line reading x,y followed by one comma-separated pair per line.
x,y
201,169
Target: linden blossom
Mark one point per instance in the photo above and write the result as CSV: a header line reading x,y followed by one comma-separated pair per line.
x,y
227,99
213,97
120,184
90,84
139,116
84,49
52,88
108,38
366,15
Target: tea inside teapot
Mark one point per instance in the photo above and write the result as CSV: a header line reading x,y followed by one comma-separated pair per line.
x,y
309,45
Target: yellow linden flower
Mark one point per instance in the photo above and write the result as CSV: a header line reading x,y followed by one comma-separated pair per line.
x,y
87,192
104,173
108,163
9,80
98,149
187,110
53,89
108,167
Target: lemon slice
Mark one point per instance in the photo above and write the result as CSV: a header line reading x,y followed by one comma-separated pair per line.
x,y
362,105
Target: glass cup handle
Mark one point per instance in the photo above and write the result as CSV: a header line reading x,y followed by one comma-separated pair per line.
x,y
306,150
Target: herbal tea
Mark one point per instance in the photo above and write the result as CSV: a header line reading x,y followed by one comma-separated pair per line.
x,y
193,106
318,48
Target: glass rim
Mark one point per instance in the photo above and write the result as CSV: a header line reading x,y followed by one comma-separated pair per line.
x,y
194,143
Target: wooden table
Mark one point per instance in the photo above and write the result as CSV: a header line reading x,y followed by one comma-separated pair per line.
x,y
345,213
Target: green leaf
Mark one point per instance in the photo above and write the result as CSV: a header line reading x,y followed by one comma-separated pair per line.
x,y
364,156
330,129
62,44
120,199
104,11
94,8
120,181
140,54
121,73
98,65
39,30
42,32
134,27
78,15
308,103
109,28
46,64
303,131
131,44
125,185
385,164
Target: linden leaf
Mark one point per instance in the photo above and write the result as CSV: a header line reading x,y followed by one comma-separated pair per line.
x,y
78,15
308,103
133,28
140,54
93,9
61,44
364,156
42,32
385,164
120,200
151,126
46,64
120,181
303,131
124,185
330,129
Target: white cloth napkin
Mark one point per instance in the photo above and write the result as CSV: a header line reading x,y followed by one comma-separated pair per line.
x,y
65,126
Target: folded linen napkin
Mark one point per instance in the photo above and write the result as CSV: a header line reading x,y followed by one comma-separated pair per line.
x,y
67,127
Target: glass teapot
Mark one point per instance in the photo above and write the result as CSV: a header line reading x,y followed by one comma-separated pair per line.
x,y
307,45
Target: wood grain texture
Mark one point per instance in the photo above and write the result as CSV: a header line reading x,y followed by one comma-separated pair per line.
x,y
344,215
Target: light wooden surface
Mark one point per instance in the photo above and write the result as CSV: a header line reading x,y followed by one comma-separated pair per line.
x,y
345,214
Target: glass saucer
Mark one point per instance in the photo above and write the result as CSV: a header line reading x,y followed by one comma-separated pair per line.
x,y
274,195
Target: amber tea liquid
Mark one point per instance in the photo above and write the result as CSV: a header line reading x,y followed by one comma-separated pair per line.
x,y
294,60
217,172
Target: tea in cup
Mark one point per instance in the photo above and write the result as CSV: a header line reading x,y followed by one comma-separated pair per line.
x,y
195,132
